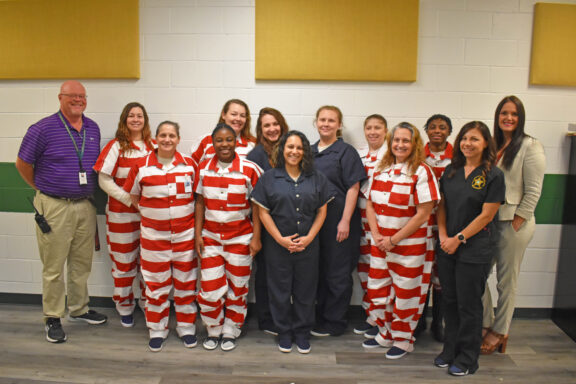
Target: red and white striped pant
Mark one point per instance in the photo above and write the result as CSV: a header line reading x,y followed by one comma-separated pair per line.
x,y
363,266
166,264
123,238
225,273
397,286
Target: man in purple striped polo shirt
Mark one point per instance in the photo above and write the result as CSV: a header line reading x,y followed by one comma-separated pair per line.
x,y
56,159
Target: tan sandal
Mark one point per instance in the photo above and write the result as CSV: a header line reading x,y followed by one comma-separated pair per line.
x,y
500,345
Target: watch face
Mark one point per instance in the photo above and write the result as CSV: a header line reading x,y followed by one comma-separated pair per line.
x,y
460,237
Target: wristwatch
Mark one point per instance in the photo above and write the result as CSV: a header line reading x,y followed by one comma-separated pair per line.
x,y
461,237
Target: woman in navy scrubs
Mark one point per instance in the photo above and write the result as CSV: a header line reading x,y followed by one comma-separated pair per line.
x,y
340,235
271,126
472,190
292,199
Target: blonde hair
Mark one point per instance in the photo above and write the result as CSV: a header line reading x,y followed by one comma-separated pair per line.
x,y
416,157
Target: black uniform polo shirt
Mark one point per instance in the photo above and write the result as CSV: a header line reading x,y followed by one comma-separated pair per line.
x,y
463,200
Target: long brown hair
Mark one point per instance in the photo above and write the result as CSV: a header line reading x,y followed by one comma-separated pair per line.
x,y
416,157
245,133
123,133
517,136
267,144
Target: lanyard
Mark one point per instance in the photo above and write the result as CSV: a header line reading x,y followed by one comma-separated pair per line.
x,y
79,153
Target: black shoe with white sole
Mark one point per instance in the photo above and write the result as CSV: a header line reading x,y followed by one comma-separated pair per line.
x,y
90,317
54,331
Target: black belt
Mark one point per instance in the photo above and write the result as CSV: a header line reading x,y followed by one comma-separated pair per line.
x,y
69,199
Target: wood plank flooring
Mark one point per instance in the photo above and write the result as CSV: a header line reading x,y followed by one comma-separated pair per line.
x,y
538,352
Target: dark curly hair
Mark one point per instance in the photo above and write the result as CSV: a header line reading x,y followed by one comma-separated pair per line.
x,y
307,163
439,116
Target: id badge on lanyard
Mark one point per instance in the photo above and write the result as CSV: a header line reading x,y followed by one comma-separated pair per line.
x,y
83,178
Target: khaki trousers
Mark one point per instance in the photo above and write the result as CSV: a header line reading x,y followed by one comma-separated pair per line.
x,y
70,244
508,259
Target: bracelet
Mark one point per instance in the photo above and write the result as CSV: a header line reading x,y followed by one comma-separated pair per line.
x,y
390,237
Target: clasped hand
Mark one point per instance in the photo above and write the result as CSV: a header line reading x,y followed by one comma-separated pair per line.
x,y
449,244
295,243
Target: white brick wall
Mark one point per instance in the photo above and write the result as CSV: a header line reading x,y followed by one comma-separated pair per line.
x,y
197,54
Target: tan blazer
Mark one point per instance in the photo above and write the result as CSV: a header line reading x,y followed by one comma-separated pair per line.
x,y
523,181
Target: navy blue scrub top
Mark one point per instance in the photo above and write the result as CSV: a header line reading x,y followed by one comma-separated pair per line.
x,y
341,164
260,157
292,204
463,200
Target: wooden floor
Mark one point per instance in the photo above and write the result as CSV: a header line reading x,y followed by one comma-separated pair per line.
x,y
538,352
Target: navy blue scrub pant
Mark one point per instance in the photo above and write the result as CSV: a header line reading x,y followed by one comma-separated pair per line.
x,y
337,261
463,285
292,281
261,289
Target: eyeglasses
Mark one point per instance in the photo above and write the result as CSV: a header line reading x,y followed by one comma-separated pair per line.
x,y
75,96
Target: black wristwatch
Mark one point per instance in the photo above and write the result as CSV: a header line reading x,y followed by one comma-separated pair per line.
x,y
461,237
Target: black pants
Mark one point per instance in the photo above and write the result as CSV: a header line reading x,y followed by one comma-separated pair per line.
x,y
292,282
463,285
261,289
337,261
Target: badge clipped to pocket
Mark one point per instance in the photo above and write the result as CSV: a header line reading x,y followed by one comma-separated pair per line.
x,y
83,178
187,184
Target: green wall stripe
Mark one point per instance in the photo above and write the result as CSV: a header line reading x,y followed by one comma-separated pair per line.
x,y
13,193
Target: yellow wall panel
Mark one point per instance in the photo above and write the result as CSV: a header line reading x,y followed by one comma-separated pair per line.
x,y
56,39
361,40
554,45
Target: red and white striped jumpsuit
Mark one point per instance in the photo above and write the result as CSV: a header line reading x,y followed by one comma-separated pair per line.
x,y
204,150
167,240
397,278
122,225
438,162
370,162
226,262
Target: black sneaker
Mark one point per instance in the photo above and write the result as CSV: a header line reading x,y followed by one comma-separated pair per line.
x,y
91,317
303,345
190,341
320,332
54,331
363,328
372,333
440,362
156,344
285,344
127,321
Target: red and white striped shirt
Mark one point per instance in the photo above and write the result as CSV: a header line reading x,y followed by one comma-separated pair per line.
x,y
204,150
370,161
395,195
166,194
116,164
226,195
439,161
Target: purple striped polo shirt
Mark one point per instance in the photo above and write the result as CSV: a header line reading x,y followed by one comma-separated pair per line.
x,y
49,148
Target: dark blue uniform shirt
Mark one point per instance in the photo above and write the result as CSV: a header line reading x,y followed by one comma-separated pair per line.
x,y
292,204
342,165
260,157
